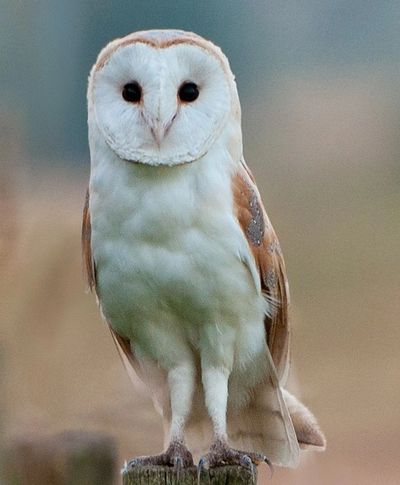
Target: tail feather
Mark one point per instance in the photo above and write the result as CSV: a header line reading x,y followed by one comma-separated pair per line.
x,y
265,426
309,434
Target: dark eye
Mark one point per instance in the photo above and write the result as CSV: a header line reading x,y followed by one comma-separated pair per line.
x,y
132,92
188,92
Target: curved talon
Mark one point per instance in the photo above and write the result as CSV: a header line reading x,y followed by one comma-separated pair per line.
x,y
178,465
202,465
178,462
246,462
270,466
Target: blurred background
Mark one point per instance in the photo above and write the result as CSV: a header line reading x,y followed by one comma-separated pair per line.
x,y
319,86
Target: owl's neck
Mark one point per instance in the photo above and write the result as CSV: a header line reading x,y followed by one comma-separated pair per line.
x,y
170,196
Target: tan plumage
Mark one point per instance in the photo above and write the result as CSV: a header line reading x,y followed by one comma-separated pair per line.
x,y
267,253
88,263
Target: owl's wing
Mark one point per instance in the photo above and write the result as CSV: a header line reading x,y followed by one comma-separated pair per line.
x,y
267,254
123,345
88,262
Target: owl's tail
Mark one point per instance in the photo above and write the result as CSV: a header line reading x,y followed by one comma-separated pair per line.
x,y
308,433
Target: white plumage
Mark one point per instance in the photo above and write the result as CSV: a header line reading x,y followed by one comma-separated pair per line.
x,y
178,277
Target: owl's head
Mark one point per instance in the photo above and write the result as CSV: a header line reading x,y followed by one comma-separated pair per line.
x,y
161,97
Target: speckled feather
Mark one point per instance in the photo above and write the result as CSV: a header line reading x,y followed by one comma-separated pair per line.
x,y
267,253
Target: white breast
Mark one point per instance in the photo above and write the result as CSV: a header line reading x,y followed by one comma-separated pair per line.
x,y
168,253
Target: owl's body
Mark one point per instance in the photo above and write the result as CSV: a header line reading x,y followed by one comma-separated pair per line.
x,y
174,230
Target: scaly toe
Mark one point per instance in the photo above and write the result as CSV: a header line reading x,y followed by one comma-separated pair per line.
x,y
270,466
176,456
221,454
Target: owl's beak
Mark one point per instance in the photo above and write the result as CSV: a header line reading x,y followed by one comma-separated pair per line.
x,y
159,128
158,131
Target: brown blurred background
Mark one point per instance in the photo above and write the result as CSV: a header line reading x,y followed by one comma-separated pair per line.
x,y
319,84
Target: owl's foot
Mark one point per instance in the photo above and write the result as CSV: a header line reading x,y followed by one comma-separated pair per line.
x,y
177,456
221,454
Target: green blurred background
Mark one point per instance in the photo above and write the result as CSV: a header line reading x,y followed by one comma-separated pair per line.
x,y
319,86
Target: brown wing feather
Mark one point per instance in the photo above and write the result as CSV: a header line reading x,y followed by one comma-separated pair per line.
x,y
267,254
88,263
123,345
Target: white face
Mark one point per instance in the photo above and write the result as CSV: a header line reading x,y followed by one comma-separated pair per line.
x,y
161,106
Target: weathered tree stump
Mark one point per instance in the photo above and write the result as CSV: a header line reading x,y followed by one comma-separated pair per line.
x,y
158,475
69,458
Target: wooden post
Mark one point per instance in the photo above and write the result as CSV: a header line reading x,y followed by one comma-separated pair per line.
x,y
158,475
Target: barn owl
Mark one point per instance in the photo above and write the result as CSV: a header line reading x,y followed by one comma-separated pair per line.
x,y
179,250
